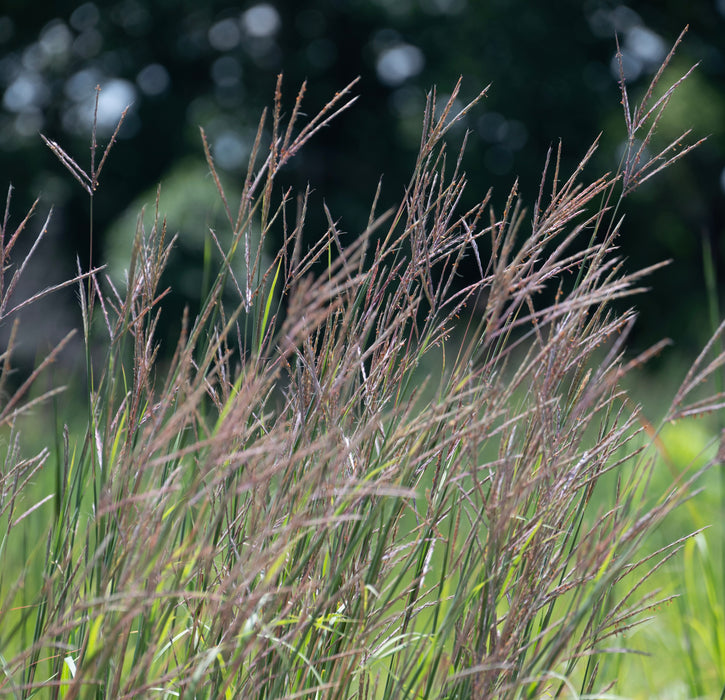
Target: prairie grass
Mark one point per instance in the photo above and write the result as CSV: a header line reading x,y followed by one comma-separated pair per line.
x,y
367,477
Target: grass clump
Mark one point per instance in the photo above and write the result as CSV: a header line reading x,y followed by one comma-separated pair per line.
x,y
296,505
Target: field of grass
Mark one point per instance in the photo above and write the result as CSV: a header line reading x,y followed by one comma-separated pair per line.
x,y
359,475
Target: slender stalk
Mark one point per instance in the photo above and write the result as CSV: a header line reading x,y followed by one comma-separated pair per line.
x,y
711,287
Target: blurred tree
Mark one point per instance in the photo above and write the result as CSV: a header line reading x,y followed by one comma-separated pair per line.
x,y
185,64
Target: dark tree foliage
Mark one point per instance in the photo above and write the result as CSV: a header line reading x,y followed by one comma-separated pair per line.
x,y
182,65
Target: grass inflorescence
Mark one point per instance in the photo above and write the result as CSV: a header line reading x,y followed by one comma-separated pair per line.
x,y
368,478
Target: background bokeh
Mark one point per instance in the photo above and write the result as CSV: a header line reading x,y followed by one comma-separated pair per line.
x,y
181,65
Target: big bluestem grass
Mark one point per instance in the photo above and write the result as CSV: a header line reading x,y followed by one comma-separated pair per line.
x,y
292,507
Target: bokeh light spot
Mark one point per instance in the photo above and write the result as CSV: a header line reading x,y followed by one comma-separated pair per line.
x,y
261,21
230,151
153,79
26,93
646,45
397,64
224,35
